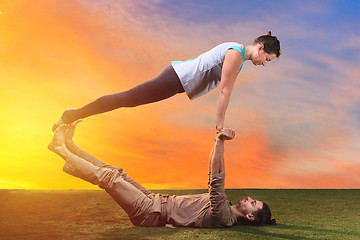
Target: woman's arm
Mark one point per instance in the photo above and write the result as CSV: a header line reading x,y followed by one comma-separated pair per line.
x,y
232,63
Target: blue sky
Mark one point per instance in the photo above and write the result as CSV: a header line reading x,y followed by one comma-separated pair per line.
x,y
307,102
297,120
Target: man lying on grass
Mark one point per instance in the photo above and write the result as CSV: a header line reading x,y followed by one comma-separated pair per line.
x,y
145,208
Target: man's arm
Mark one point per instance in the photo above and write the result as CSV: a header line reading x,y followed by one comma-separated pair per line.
x,y
216,164
217,171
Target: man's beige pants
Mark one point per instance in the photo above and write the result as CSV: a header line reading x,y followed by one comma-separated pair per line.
x,y
142,206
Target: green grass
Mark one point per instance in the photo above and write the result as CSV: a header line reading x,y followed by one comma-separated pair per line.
x,y
74,214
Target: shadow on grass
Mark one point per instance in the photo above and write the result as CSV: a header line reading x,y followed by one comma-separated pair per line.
x,y
317,230
282,231
296,232
262,232
139,233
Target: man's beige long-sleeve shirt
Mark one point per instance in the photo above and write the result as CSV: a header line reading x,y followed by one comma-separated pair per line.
x,y
208,210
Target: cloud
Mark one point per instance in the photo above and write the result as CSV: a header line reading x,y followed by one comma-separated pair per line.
x,y
297,120
349,43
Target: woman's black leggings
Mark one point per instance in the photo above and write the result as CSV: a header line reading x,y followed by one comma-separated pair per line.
x,y
166,85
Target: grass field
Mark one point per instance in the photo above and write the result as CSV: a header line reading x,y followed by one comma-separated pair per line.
x,y
75,214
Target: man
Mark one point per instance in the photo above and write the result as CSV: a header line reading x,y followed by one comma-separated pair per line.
x,y
145,208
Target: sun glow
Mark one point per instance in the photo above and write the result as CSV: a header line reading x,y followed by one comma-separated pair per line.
x,y
57,54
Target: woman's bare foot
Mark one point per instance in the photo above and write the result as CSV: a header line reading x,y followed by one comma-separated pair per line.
x,y
61,121
57,144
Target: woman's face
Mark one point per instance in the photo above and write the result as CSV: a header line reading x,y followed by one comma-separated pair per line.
x,y
260,57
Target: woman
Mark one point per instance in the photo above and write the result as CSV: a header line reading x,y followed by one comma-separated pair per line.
x,y
196,77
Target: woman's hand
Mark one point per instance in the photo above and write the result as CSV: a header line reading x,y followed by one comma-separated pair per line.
x,y
226,134
218,129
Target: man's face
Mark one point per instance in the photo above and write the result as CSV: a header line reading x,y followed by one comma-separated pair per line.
x,y
248,205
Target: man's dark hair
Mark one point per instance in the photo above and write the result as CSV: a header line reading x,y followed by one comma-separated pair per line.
x,y
271,44
262,217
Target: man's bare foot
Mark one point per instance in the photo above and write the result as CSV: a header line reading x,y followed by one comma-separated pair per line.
x,y
69,142
226,134
57,144
57,124
61,121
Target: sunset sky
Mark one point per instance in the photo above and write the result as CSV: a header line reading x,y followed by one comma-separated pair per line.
x,y
297,120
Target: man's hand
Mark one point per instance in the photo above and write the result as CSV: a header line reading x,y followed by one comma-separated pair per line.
x,y
226,134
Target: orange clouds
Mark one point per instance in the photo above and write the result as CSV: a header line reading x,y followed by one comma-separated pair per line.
x,y
252,161
43,53
58,54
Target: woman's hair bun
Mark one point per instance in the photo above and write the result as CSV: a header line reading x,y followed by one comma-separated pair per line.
x,y
269,33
